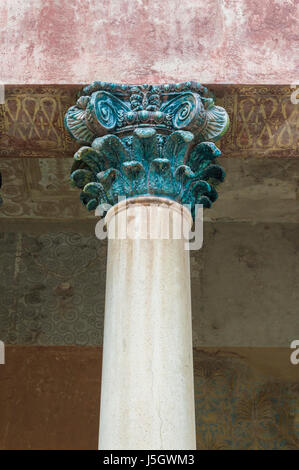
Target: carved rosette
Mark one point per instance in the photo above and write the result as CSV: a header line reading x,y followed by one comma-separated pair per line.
x,y
146,140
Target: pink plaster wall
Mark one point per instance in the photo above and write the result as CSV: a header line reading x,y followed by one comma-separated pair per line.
x,y
78,41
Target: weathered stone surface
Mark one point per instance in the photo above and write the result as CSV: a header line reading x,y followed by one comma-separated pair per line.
x,y
149,41
38,190
51,398
52,288
244,286
257,190
245,398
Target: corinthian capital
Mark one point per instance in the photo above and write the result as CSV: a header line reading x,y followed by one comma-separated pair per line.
x,y
146,140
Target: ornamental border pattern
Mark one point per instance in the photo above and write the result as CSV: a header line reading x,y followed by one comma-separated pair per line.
x,y
264,121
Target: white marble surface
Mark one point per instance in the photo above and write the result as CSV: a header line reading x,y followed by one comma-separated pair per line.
x,y
147,383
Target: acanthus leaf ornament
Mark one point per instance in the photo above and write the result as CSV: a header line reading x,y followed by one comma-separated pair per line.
x,y
146,140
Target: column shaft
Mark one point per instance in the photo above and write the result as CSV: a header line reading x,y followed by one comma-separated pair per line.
x,y
147,395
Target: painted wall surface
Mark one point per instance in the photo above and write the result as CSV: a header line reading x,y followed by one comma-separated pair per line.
x,y
244,398
234,41
244,284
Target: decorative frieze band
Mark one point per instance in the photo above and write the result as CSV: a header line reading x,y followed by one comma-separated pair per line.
x,y
264,121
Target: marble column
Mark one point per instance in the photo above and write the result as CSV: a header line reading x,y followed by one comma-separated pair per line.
x,y
148,161
147,397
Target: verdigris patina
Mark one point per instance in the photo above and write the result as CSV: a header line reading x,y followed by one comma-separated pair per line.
x,y
146,140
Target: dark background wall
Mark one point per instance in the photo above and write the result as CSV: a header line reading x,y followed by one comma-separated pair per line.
x,y
244,302
246,398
